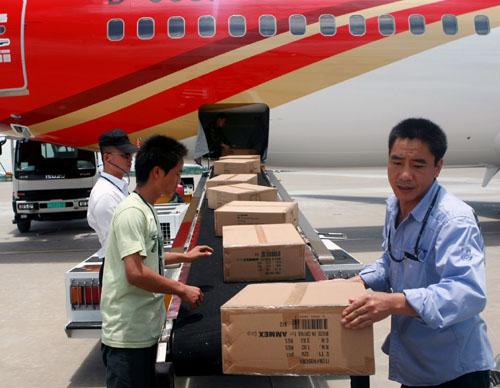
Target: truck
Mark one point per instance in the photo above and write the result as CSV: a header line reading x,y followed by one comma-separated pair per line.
x,y
50,182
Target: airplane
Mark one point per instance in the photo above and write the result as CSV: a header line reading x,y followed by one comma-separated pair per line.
x,y
334,76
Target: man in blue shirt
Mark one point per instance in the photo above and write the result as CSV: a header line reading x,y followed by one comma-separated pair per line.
x,y
431,277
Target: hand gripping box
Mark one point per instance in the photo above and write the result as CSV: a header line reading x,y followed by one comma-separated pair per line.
x,y
232,179
294,329
237,166
263,252
220,195
255,212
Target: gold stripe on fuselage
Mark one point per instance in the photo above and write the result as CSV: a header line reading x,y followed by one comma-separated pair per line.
x,y
145,91
319,75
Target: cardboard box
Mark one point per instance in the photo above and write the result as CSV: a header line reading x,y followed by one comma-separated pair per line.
x,y
256,157
239,151
294,328
236,166
254,213
220,195
232,179
263,252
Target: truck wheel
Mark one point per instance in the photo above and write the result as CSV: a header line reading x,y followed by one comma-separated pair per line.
x,y
24,226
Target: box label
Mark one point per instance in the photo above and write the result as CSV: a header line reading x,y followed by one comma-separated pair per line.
x,y
264,263
267,263
301,338
270,262
309,340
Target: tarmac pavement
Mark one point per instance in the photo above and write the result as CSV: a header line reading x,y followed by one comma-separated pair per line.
x,y
35,352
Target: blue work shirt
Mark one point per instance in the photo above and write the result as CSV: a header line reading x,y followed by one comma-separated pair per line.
x,y
446,287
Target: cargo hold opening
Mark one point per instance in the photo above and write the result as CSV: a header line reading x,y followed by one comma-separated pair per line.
x,y
244,126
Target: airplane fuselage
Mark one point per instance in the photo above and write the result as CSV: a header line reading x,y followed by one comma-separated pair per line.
x,y
336,75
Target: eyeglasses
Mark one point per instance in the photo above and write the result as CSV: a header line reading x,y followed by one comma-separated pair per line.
x,y
408,255
126,155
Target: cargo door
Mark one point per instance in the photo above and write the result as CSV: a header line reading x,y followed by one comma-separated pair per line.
x,y
13,79
245,126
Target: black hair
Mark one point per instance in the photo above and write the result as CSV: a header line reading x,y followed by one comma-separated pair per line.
x,y
105,150
220,116
160,151
424,130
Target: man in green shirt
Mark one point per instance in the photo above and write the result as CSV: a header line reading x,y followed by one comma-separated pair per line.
x,y
133,290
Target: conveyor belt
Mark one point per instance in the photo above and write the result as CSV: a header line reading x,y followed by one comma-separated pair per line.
x,y
196,336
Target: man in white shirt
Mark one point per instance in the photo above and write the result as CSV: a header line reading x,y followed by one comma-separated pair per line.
x,y
111,188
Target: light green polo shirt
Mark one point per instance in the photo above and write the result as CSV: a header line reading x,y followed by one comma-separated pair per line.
x,y
132,317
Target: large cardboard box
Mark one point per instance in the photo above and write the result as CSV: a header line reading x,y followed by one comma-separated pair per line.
x,y
263,252
236,166
254,213
294,328
256,157
220,195
232,179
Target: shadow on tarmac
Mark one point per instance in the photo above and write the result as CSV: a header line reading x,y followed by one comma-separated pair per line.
x,y
91,372
57,241
63,227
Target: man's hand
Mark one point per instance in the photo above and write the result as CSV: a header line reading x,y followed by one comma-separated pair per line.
x,y
366,310
198,252
192,296
370,308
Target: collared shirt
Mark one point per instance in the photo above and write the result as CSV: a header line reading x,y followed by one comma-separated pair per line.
x,y
132,317
446,287
105,196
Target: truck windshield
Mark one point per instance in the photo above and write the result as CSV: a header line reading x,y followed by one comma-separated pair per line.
x,y
35,158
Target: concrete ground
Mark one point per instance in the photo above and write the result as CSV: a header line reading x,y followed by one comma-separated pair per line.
x,y
35,352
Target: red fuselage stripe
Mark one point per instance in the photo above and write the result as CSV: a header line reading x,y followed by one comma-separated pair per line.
x,y
177,63
234,79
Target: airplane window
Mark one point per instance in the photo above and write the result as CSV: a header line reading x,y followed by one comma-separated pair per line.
x,y
357,26
417,24
2,30
237,26
145,28
482,24
176,28
450,24
297,24
206,26
116,29
386,25
267,25
327,25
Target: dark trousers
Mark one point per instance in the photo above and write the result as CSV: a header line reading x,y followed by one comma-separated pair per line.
x,y
129,368
480,379
360,381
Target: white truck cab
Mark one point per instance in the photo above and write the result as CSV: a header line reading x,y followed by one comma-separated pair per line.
x,y
50,182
